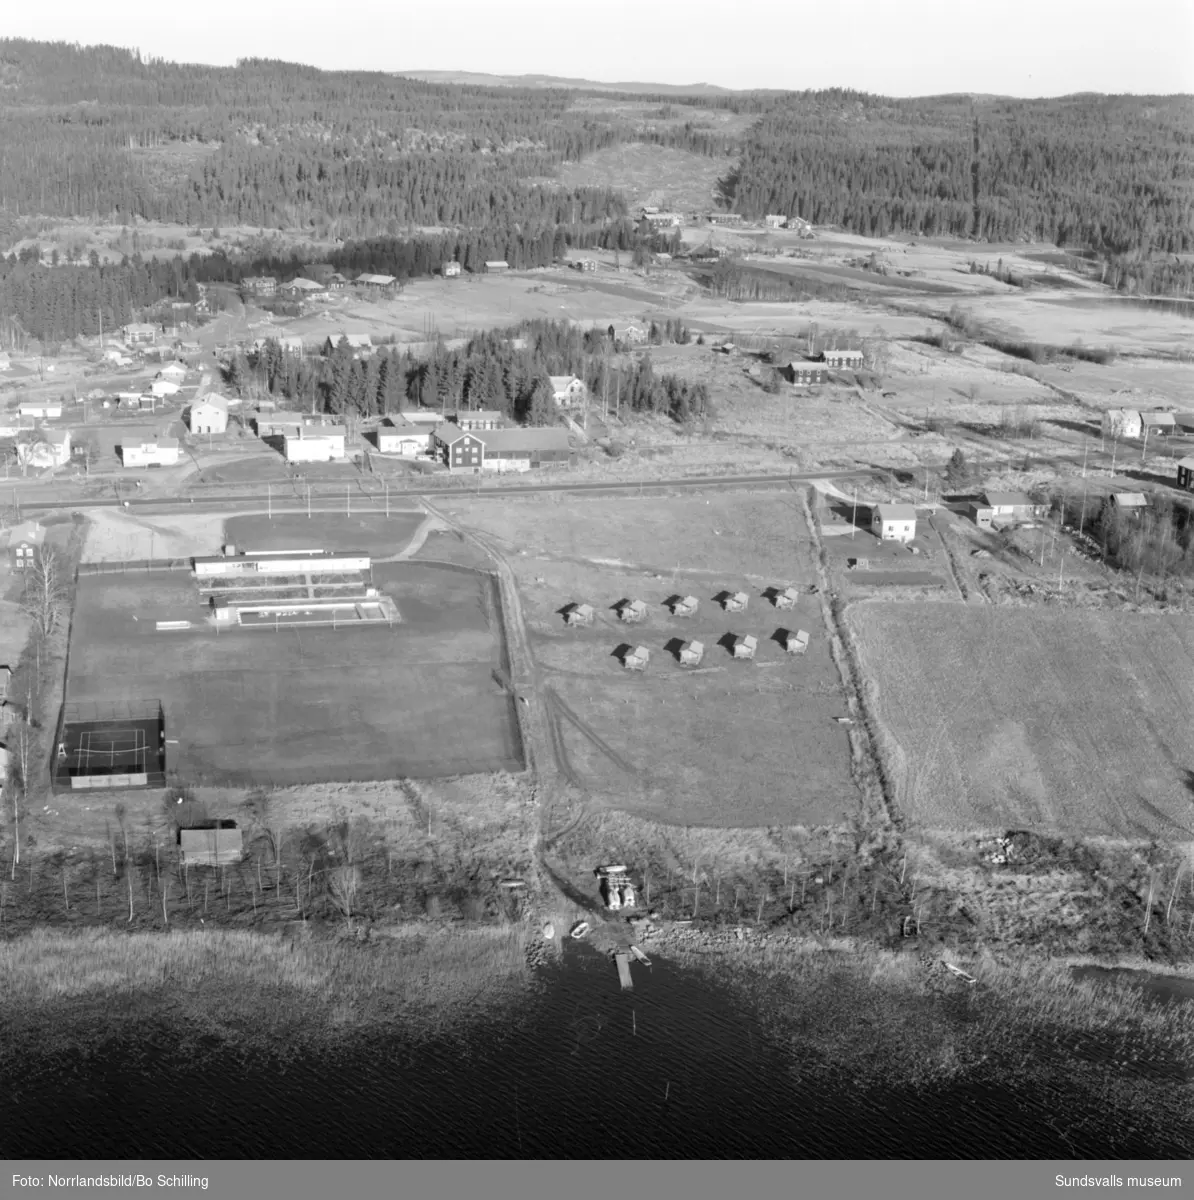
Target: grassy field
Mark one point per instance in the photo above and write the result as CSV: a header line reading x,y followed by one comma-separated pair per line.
x,y
374,533
1075,722
676,180
292,707
733,743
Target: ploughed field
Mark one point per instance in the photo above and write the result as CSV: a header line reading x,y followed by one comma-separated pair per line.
x,y
306,705
998,718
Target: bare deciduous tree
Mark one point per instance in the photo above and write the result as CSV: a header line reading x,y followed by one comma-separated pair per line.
x,y
45,592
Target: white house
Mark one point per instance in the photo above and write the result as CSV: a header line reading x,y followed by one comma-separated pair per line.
x,y
894,522
568,390
161,452
175,372
143,332
396,436
54,451
40,410
117,357
775,220
209,415
315,443
164,387
451,270
1121,423
5,361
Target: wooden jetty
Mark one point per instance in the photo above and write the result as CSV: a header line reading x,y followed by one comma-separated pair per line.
x,y
623,961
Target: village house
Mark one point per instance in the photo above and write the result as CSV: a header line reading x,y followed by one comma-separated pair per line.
x,y
567,390
631,335
725,218
175,372
1121,423
775,220
260,285
40,410
850,359
209,415
141,333
158,452
663,220
518,449
303,289
1130,503
24,543
804,374
450,270
894,522
5,361
495,266
358,343
164,387
52,449
477,418
1011,506
376,285
117,357
315,443
398,436
1157,424
1185,473
422,416
585,264
10,424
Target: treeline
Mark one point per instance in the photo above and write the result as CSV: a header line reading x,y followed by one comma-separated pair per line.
x,y
97,131
504,370
1108,172
733,280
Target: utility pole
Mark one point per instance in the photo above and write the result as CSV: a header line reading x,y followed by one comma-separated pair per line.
x,y
854,514
308,502
269,501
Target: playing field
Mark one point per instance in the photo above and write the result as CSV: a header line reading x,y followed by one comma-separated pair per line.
x,y
374,533
1009,718
251,706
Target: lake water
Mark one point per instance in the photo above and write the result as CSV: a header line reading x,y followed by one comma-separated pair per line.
x,y
1178,306
672,1068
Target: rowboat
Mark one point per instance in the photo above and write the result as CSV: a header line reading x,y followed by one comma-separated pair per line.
x,y
965,975
580,929
638,954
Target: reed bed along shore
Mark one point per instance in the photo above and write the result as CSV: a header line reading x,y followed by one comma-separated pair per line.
x,y
241,987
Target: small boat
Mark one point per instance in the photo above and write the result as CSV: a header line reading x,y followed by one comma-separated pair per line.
x,y
960,973
638,954
580,929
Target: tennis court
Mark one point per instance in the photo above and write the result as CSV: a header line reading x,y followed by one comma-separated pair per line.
x,y
111,745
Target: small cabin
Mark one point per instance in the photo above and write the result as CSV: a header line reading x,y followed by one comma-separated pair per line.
x,y
637,659
686,607
632,612
579,614
216,847
691,654
736,603
796,643
786,598
745,646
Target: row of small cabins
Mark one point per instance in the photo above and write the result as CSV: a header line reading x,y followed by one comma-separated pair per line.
x,y
635,612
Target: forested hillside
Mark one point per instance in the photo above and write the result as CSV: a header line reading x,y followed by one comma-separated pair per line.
x,y
1114,173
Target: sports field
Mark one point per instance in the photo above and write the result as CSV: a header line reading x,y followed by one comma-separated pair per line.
x,y
251,706
375,533
1007,718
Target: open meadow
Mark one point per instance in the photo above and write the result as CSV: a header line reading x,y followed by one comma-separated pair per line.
x,y
730,743
293,706
1072,722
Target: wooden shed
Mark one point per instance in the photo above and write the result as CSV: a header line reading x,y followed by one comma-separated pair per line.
x,y
691,654
1185,473
736,603
786,598
633,611
637,659
796,643
210,847
579,614
745,646
686,607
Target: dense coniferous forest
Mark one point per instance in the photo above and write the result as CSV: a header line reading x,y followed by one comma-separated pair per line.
x,y
1109,172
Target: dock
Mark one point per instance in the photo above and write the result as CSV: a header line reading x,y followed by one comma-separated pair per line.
x,y
623,961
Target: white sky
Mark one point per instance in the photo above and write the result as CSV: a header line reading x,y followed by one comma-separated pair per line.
x,y
891,47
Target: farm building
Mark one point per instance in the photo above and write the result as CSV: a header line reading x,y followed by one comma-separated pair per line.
x,y
725,218
260,285
802,374
451,270
1185,473
164,387
567,390
1132,503
495,266
140,333
982,515
477,418
209,415
664,220
162,452
745,646
1121,423
396,436
40,410
377,285
210,847
735,603
24,541
518,449
796,643
691,654
632,612
1012,506
842,358
637,659
894,522
685,607
585,264
281,562
632,335
303,289
356,342
52,451
775,220
314,443
1157,424
579,614
786,598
